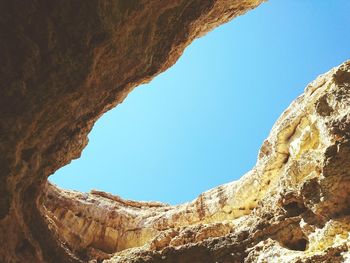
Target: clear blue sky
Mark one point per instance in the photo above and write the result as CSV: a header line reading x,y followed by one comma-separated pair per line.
x,y
201,123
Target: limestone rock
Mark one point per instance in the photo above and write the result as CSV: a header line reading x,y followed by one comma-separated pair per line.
x,y
294,206
64,63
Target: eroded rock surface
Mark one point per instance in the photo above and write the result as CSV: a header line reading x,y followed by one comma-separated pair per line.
x,y
64,63
294,206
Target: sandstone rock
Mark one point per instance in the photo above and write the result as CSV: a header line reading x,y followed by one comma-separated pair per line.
x,y
64,63
294,206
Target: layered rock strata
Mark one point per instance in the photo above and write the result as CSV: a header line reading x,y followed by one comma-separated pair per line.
x,y
293,206
63,64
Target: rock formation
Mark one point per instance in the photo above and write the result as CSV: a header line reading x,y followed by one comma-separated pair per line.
x,y
293,206
65,63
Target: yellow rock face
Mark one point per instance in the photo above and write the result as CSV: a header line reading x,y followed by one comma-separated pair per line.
x,y
293,206
65,63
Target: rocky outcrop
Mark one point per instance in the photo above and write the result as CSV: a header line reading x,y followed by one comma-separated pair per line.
x,y
294,206
64,63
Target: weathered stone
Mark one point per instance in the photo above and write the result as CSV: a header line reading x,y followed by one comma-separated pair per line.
x,y
64,63
294,206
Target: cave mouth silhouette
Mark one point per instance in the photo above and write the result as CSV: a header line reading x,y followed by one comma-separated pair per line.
x,y
201,123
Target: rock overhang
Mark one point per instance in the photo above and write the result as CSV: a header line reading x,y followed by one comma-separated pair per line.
x,y
65,64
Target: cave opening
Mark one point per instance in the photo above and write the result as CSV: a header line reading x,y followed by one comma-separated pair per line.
x,y
200,123
65,64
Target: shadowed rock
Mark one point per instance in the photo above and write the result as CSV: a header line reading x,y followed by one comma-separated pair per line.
x,y
64,63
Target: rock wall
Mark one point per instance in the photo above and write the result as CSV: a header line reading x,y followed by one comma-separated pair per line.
x,y
293,206
64,63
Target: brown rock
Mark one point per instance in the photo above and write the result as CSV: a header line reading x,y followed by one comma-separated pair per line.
x,y
64,63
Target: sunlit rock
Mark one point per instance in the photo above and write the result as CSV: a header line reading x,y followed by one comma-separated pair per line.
x,y
293,206
63,64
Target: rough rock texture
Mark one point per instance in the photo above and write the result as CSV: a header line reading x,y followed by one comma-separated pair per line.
x,y
63,64
294,206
